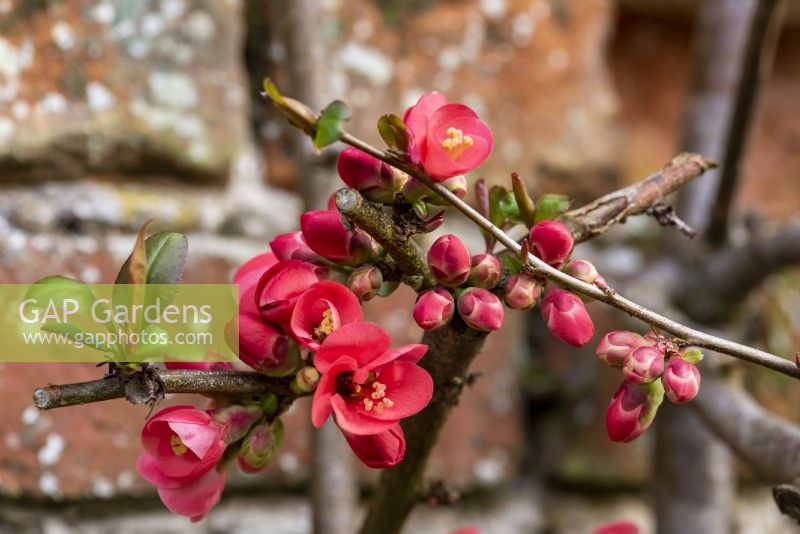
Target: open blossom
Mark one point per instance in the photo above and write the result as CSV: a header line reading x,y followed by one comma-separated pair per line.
x,y
248,274
292,246
632,410
182,446
281,286
434,308
326,235
323,308
681,380
481,309
367,174
379,451
552,242
566,317
365,384
449,260
617,344
446,139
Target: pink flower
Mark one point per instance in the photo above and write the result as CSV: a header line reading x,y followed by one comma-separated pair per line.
x,y
182,446
446,139
249,272
370,176
681,380
617,527
522,291
616,345
379,451
322,309
566,317
326,235
466,530
632,410
292,246
434,308
643,365
367,385
485,271
281,286
552,242
449,260
481,309
264,348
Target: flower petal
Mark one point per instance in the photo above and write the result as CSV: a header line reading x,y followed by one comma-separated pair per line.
x,y
361,341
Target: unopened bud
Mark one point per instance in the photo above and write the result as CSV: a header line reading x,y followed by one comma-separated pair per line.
x,y
681,380
566,317
582,270
552,242
260,446
235,420
485,271
522,291
617,345
456,185
434,309
269,403
306,379
449,260
633,409
367,174
643,365
365,282
292,246
481,309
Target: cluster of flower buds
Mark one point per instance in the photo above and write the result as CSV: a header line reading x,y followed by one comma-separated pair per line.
x,y
653,367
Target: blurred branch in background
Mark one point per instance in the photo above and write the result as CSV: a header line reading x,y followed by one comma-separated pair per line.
x,y
734,43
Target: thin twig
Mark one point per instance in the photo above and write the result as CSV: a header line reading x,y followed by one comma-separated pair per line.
x,y
690,335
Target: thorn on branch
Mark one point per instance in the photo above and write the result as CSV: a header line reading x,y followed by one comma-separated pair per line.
x,y
437,493
666,216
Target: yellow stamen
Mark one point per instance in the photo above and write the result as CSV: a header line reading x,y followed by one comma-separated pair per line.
x,y
456,143
178,447
325,327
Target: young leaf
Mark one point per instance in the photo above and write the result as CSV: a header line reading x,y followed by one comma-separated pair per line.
x,y
508,205
78,335
329,125
165,254
57,289
496,215
550,206
393,132
297,112
512,264
527,209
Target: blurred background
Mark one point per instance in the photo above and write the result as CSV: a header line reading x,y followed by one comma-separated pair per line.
x,y
116,112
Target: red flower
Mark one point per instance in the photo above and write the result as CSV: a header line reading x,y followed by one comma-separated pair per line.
x,y
567,318
182,446
446,139
552,242
292,246
367,385
264,348
279,288
249,272
322,309
617,527
379,451
325,233
367,174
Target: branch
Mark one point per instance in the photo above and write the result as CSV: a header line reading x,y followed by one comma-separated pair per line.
x,y
690,335
768,444
183,381
596,217
787,497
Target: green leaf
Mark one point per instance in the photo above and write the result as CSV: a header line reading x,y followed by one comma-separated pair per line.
x,y
527,209
297,112
78,335
393,132
512,264
496,215
57,289
329,125
551,206
166,259
508,205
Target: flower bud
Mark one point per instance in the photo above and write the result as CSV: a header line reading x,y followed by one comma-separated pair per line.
x,y
370,176
260,446
235,420
522,291
365,282
552,242
566,317
485,271
481,309
681,380
434,309
264,348
449,260
616,345
306,379
325,234
582,270
413,192
617,527
456,185
632,410
292,246
643,365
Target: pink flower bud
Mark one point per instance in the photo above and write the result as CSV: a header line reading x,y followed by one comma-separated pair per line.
x,y
326,235
582,270
616,345
449,260
643,365
434,309
617,527
481,309
632,410
368,175
260,446
522,291
365,282
485,271
566,317
681,380
552,242
264,348
292,246
456,185
379,451
235,420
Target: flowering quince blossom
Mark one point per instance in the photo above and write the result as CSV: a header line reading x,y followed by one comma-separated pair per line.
x,y
552,242
446,139
248,274
367,174
449,260
681,380
326,235
616,345
292,246
365,384
323,308
281,286
566,317
481,309
182,446
379,451
433,309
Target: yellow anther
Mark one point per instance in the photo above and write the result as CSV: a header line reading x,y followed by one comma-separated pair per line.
x,y
177,444
325,327
368,405
456,143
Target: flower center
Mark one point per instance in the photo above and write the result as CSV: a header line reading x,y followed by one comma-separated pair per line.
x,y
325,327
371,393
456,143
177,444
